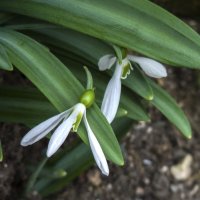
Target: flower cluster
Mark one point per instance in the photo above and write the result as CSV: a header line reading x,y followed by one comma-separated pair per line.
x,y
70,119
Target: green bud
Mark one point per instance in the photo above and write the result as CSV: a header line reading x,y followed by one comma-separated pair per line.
x,y
87,98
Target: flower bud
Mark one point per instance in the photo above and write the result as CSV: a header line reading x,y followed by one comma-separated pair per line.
x,y
87,98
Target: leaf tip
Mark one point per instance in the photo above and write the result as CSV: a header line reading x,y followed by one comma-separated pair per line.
x,y
189,136
121,163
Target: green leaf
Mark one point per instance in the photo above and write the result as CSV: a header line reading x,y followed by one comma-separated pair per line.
x,y
169,108
137,82
4,60
138,25
89,48
59,85
24,105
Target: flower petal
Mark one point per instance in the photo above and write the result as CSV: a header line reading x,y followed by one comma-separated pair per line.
x,y
112,95
61,133
96,149
42,129
106,62
151,67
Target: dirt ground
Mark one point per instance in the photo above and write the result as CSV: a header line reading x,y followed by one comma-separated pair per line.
x,y
152,152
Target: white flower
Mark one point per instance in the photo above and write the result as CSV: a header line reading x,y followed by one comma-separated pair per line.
x,y
112,94
69,119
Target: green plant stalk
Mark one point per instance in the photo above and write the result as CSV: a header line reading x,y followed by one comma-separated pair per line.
x,y
34,176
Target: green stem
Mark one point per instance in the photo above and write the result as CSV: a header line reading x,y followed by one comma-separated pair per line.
x,y
34,176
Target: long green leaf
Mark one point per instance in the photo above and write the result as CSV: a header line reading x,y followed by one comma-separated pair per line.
x,y
136,24
169,108
59,85
24,105
4,60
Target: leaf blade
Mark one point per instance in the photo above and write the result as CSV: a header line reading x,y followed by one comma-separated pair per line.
x,y
169,108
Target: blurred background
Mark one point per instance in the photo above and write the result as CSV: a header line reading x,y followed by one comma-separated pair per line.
x,y
160,164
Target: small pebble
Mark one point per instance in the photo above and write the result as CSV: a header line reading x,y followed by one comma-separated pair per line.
x,y
182,170
139,191
95,178
164,169
147,162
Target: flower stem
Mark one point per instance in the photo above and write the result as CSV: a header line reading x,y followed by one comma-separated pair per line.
x,y
34,176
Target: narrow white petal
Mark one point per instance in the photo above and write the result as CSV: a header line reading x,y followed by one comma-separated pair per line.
x,y
61,133
106,62
112,95
151,67
42,129
96,149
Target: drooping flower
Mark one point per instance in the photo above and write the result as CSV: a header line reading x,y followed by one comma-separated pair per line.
x,y
65,121
112,93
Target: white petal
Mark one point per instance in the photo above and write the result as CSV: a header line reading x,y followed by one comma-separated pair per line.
x,y
151,67
96,149
61,133
112,95
42,129
106,62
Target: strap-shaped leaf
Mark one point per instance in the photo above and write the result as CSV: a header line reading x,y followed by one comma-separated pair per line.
x,y
4,60
169,108
59,85
83,45
136,24
24,105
